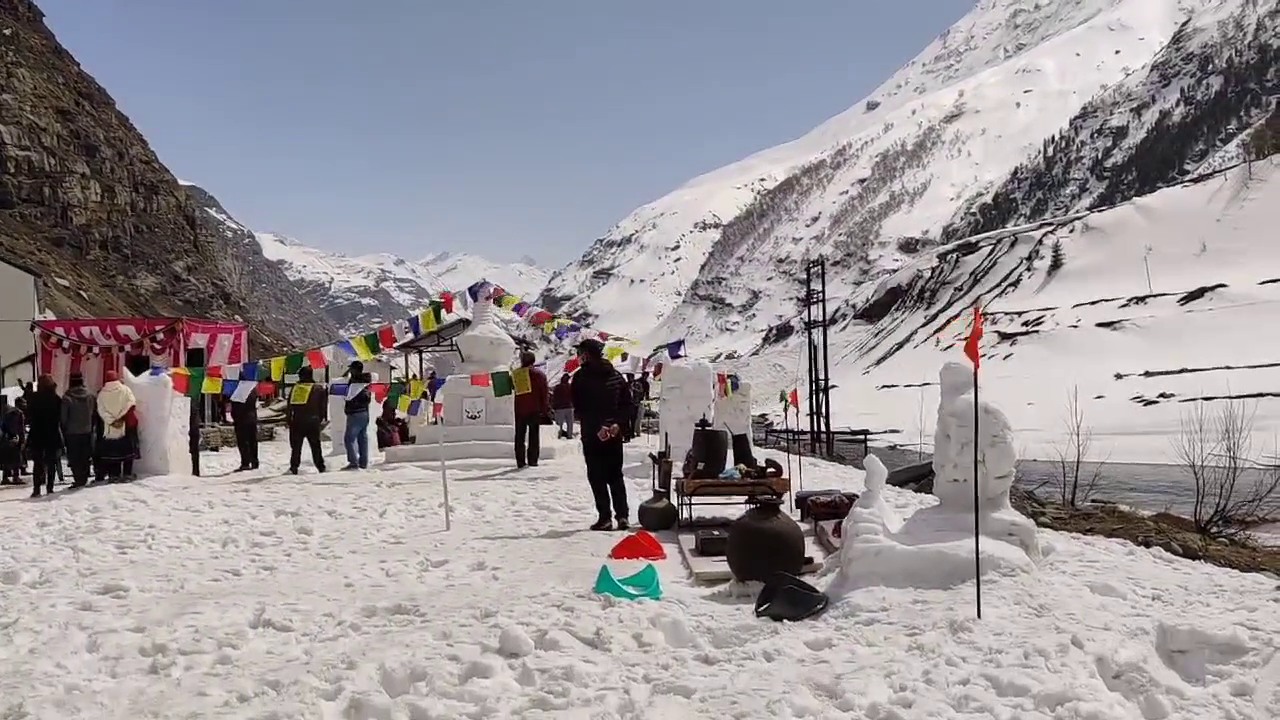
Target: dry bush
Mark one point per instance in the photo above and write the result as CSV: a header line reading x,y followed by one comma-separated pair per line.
x,y
1232,490
1076,482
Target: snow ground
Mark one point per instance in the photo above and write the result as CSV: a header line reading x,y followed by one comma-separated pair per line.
x,y
340,596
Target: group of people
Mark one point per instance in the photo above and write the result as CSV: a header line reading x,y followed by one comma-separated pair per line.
x,y
608,410
96,433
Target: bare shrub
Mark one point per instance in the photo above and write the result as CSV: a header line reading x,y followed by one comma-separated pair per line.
x,y
1076,480
1232,491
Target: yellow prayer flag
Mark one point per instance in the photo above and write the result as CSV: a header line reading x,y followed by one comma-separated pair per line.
x,y
416,388
523,383
613,352
363,352
211,386
301,393
548,327
277,369
427,320
509,301
403,403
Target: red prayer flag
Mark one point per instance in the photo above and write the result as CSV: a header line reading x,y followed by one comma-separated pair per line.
x,y
480,380
379,391
181,382
437,409
266,389
794,398
446,301
975,337
572,365
316,359
386,337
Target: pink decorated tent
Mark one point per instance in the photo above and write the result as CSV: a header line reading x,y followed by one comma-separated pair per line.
x,y
93,346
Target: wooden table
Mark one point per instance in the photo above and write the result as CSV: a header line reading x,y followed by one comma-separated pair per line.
x,y
715,491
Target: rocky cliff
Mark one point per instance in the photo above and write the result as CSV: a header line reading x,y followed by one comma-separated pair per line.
x,y
86,203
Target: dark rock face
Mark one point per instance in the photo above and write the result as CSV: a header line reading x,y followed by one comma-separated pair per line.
x,y
85,202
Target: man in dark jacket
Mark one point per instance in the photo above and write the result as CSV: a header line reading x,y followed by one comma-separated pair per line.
x,y
244,419
79,408
602,404
531,408
562,407
356,436
44,414
304,419
13,435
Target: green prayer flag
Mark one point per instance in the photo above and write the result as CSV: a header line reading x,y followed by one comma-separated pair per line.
x,y
437,311
196,387
501,383
372,342
293,363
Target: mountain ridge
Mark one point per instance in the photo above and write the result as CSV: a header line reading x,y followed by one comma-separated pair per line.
x,y
876,185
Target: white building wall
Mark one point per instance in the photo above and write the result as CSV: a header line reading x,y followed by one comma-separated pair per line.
x,y
18,307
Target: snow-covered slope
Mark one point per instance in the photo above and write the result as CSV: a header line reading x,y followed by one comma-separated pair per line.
x,y
459,270
720,257
1068,304
359,293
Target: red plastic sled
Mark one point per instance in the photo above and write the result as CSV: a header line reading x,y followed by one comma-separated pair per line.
x,y
639,546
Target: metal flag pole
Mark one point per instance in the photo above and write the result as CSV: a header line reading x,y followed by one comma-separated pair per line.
x,y
444,478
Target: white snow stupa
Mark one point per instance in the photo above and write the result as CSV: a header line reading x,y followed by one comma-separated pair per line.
x,y
475,424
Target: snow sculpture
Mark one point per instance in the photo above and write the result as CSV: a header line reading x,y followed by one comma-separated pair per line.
x,y
733,413
474,423
164,418
933,547
688,395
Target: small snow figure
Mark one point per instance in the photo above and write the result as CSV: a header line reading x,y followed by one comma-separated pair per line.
x,y
953,446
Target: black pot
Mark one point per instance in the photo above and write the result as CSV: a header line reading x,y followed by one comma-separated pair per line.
x,y
763,541
657,513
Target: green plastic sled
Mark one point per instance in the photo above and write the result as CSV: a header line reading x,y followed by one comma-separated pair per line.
x,y
644,584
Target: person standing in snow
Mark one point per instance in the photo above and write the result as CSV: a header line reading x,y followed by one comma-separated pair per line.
x,y
356,437
305,419
45,437
244,420
118,409
78,409
531,408
13,435
562,407
602,404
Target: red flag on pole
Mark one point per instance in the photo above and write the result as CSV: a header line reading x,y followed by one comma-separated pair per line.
x,y
975,338
794,398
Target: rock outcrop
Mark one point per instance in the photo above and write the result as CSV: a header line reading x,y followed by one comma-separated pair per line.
x,y
86,203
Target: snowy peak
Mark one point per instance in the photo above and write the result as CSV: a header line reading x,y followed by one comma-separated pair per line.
x,y
720,257
522,277
362,292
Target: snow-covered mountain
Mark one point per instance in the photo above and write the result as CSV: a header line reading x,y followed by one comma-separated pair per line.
x,y
458,270
1145,307
359,293
1022,110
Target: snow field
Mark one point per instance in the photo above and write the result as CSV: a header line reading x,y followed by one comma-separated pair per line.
x,y
340,596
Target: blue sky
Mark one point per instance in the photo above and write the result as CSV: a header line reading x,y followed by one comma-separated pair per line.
x,y
501,127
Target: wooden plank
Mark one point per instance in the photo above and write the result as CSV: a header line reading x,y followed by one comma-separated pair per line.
x,y
715,487
716,569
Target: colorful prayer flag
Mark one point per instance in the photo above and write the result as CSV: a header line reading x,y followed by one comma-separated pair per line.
x,y
502,383
387,336
300,394
480,380
522,380
316,359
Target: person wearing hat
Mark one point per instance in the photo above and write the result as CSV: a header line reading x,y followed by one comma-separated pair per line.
x,y
78,409
602,405
356,436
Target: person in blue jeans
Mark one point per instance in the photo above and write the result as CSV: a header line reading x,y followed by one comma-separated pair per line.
x,y
356,408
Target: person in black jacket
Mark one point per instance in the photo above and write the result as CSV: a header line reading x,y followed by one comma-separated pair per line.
x,y
602,404
44,413
356,437
13,435
244,419
305,418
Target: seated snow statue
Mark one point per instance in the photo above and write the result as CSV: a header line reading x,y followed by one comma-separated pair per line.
x,y
933,547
